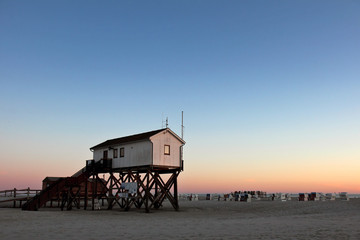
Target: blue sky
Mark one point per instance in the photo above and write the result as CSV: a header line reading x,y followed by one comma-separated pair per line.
x,y
259,81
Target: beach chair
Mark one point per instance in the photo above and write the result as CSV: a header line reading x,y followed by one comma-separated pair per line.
x,y
303,197
344,196
330,196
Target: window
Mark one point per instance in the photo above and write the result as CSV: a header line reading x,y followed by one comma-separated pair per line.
x,y
115,153
105,154
167,149
122,152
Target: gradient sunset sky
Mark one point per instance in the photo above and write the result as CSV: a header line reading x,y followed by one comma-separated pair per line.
x,y
270,89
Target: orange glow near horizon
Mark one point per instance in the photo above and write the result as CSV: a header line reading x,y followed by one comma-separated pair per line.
x,y
225,177
209,184
333,177
206,186
10,181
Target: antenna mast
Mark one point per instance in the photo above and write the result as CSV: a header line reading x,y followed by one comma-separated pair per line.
x,y
182,125
162,120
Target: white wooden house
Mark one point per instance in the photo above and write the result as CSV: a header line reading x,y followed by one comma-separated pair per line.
x,y
160,148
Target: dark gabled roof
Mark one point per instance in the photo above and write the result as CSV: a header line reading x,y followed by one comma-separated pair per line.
x,y
51,179
132,138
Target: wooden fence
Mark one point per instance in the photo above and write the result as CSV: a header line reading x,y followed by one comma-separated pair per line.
x,y
17,196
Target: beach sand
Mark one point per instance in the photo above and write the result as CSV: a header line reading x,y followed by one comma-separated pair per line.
x,y
194,220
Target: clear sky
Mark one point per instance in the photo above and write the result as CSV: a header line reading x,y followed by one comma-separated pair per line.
x,y
270,89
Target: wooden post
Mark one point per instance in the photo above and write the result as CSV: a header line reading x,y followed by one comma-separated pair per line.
x,y
93,193
147,192
58,195
156,194
138,194
86,195
176,194
121,181
110,194
14,197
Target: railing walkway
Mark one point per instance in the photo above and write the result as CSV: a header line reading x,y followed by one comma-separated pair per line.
x,y
17,196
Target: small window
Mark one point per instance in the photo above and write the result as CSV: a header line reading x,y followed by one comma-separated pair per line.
x,y
167,149
105,154
115,153
122,152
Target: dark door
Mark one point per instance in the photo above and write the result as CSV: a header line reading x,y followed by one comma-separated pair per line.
x,y
105,154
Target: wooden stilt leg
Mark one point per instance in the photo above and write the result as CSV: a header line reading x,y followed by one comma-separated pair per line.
x,y
86,195
147,192
93,194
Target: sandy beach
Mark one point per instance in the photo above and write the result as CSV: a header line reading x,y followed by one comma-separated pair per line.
x,y
195,220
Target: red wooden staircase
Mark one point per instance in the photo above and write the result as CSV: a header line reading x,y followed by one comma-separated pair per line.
x,y
61,185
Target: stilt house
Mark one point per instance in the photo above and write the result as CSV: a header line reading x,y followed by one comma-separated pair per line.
x,y
140,160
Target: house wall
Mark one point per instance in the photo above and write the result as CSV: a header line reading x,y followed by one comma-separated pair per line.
x,y
145,152
159,141
136,154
